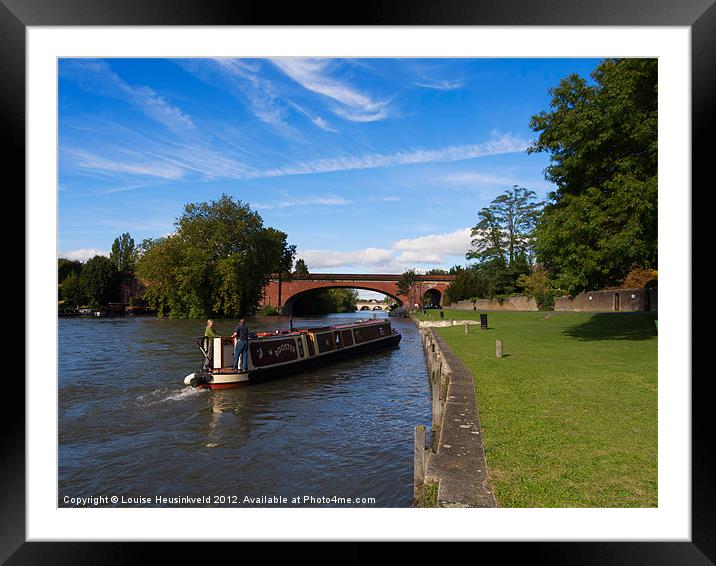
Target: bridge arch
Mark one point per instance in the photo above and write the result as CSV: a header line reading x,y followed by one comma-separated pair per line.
x,y
435,297
287,306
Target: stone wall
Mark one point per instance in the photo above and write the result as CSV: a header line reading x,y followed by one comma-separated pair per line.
x,y
455,459
521,303
610,300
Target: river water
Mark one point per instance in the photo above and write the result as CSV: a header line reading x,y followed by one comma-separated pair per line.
x,y
130,428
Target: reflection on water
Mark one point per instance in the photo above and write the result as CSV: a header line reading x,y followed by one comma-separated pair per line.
x,y
128,426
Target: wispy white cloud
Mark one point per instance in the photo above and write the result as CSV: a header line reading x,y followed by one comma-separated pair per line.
x,y
472,179
496,146
98,77
284,201
441,85
156,168
173,161
263,97
248,86
348,102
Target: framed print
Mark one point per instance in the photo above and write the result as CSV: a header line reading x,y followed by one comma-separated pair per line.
x,y
122,115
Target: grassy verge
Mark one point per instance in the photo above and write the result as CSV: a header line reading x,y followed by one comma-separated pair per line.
x,y
570,413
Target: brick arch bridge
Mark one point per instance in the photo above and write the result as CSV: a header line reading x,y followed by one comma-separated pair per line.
x,y
282,290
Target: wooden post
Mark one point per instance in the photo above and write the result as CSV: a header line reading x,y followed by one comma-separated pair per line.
x,y
467,326
498,348
419,459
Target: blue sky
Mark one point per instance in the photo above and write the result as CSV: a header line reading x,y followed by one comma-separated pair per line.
x,y
369,165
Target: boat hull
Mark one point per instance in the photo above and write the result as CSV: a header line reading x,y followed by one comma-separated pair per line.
x,y
231,380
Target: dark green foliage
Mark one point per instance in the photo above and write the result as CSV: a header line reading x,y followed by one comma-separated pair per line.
x,y
408,283
215,264
469,283
67,266
72,291
503,239
99,281
124,253
602,140
324,301
300,268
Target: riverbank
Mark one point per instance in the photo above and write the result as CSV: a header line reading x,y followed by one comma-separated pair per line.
x,y
452,472
569,413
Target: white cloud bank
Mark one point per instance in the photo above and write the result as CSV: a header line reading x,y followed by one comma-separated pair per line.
x,y
423,252
83,254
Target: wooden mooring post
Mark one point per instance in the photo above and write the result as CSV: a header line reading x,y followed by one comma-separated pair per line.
x,y
498,348
419,459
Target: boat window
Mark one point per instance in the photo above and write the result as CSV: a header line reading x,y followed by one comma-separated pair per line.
x,y
347,337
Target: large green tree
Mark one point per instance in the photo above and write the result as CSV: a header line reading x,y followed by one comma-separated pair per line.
x,y
124,253
503,238
601,136
217,262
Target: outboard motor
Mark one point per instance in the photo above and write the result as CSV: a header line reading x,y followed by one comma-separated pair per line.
x,y
198,378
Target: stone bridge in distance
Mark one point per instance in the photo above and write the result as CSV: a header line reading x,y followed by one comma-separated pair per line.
x,y
282,290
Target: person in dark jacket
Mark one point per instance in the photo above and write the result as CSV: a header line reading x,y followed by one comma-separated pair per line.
x,y
241,334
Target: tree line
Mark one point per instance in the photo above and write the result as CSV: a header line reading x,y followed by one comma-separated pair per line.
x,y
96,282
216,262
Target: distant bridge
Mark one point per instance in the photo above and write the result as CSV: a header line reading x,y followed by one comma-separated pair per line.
x,y
371,306
282,290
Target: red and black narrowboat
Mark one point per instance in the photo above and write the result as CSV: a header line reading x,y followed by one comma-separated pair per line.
x,y
276,354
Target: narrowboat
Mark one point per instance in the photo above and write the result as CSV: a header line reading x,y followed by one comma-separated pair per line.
x,y
282,352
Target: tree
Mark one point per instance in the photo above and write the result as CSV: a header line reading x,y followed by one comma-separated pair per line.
x,y
503,238
407,284
602,140
469,283
301,268
323,301
217,262
99,281
436,271
539,285
72,292
67,266
124,254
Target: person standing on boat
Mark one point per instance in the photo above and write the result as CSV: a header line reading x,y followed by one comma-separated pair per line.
x,y
241,334
210,335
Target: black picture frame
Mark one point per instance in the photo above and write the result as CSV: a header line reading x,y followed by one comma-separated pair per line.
x,y
699,15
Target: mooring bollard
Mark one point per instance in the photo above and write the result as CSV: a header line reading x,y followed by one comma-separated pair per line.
x,y
467,326
498,348
419,459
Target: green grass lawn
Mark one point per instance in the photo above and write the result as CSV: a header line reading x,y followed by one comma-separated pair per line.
x,y
570,413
